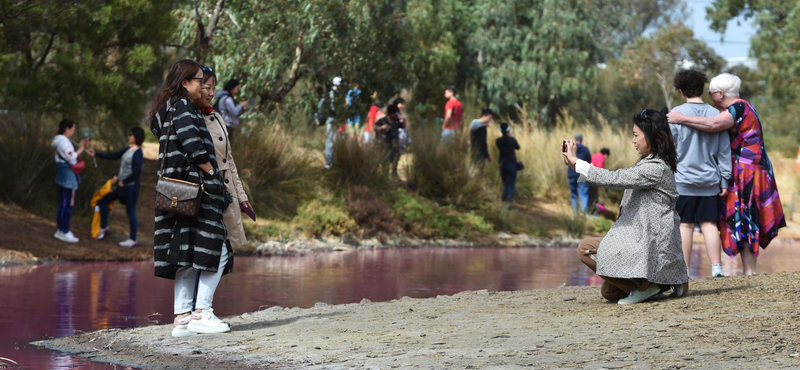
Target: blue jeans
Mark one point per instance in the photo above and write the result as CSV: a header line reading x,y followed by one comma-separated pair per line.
x,y
132,192
330,139
508,172
576,190
65,206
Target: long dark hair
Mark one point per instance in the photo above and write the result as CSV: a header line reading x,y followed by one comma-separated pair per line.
x,y
230,85
657,134
172,86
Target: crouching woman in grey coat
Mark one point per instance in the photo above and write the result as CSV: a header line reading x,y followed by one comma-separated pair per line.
x,y
641,255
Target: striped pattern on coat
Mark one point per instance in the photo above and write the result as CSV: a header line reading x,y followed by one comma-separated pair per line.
x,y
189,241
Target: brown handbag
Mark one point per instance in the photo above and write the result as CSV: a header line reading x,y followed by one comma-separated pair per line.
x,y
175,196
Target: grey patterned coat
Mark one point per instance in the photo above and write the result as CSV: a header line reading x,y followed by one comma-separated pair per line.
x,y
645,242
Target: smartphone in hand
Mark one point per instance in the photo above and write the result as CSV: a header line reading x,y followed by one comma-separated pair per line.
x,y
563,146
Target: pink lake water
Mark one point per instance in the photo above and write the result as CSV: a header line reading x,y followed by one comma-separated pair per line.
x,y
57,300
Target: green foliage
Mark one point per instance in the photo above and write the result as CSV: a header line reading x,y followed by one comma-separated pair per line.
x,y
575,225
370,212
87,58
444,172
776,43
320,218
421,218
599,225
658,58
279,175
358,165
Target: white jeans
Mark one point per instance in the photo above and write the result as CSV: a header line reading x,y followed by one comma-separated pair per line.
x,y
185,279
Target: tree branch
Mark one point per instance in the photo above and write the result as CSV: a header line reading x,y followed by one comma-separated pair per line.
x,y
201,31
294,74
46,51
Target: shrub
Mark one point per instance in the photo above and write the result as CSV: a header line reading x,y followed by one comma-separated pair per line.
x,y
421,218
358,165
370,212
278,174
599,225
575,226
319,218
444,171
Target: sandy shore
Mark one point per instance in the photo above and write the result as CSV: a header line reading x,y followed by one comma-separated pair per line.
x,y
723,323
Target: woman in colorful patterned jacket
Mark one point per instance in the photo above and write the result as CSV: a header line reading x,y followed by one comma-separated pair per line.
x,y
751,212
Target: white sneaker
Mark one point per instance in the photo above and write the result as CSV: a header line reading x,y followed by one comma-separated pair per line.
x,y
179,327
58,235
129,243
207,323
637,296
716,271
103,232
67,237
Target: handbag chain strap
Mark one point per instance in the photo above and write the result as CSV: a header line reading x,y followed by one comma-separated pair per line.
x,y
171,115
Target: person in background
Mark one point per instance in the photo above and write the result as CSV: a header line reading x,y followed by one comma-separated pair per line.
x,y
330,121
227,106
127,185
230,174
453,115
389,129
507,145
66,179
704,170
184,245
478,130
752,212
641,254
403,137
354,110
599,161
579,189
374,115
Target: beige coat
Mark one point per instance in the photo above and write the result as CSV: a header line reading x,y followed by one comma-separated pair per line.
x,y
233,215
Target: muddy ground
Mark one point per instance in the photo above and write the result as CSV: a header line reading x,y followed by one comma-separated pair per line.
x,y
723,323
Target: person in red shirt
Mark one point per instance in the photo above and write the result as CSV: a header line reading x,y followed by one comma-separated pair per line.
x,y
374,115
453,115
599,161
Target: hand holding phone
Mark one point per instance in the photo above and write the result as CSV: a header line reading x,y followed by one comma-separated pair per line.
x,y
563,146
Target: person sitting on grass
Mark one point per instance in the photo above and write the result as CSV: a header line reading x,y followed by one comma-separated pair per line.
x,y
641,255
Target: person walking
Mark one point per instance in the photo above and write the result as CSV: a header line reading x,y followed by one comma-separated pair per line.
x,y
227,167
353,110
579,189
68,167
185,245
453,115
752,212
478,131
330,127
704,170
641,254
227,106
389,129
127,185
599,161
508,145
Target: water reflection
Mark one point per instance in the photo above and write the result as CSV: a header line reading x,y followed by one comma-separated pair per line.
x,y
60,299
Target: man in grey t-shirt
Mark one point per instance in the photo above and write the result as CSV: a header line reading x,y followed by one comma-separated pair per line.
x,y
704,169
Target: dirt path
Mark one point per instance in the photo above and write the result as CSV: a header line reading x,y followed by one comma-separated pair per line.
x,y
724,323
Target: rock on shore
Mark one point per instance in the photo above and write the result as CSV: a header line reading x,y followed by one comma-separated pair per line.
x,y
723,323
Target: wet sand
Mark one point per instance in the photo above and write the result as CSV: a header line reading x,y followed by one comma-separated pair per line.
x,y
723,323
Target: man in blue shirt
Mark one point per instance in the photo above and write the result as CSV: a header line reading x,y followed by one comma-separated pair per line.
x,y
579,189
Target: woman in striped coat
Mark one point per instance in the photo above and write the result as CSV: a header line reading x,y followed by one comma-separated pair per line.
x,y
186,246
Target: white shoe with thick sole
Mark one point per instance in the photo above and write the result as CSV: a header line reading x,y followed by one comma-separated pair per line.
x,y
129,243
208,323
67,237
716,271
637,296
179,327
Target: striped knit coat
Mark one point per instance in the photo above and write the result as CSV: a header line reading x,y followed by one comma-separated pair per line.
x,y
189,241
